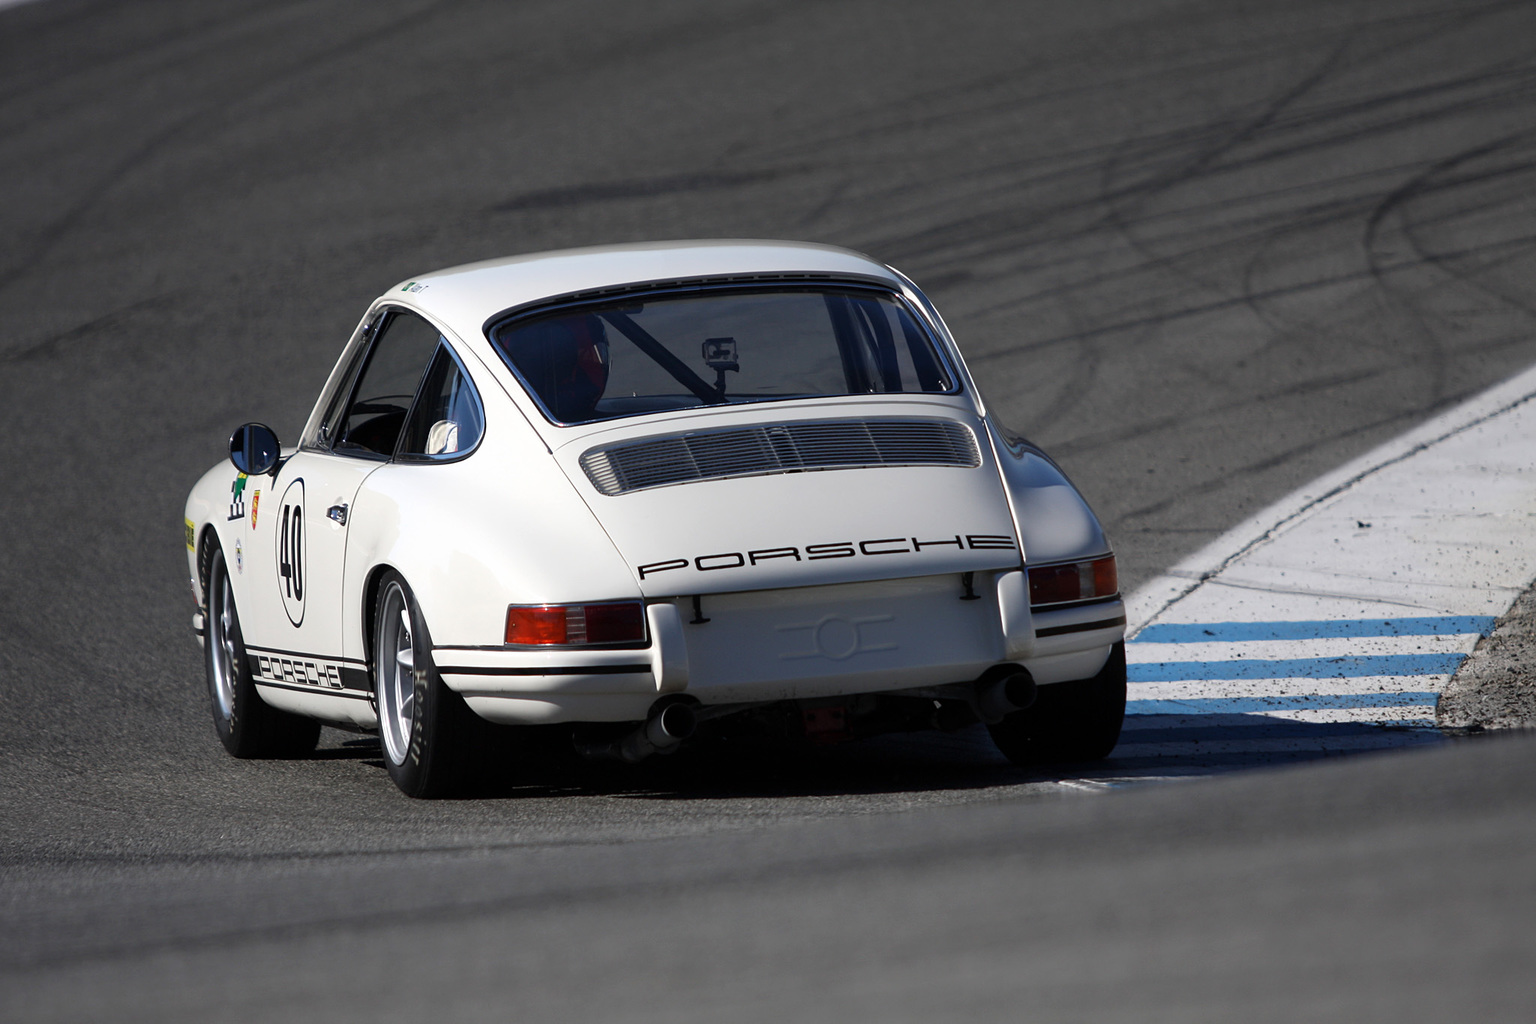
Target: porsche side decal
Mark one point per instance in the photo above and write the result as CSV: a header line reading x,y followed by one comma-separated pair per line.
x,y
310,673
836,549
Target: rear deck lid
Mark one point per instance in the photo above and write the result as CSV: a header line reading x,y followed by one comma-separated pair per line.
x,y
749,501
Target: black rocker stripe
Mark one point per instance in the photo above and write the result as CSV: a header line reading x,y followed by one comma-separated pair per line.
x,y
318,690
1081,627
353,676
553,670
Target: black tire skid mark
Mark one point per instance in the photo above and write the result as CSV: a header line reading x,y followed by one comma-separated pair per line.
x,y
1327,211
964,237
1184,418
1319,214
1069,391
1273,117
965,232
1434,180
112,320
1399,202
1314,214
1190,312
30,256
49,77
1116,218
1214,136
1192,492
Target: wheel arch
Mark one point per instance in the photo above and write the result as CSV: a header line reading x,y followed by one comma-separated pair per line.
x,y
208,543
372,583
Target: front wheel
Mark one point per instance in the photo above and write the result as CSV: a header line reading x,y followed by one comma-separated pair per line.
x,y
248,726
428,733
1077,721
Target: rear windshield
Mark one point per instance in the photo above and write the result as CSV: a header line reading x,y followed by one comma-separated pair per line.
x,y
650,353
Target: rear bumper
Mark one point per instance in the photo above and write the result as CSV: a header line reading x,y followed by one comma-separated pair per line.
x,y
790,644
535,687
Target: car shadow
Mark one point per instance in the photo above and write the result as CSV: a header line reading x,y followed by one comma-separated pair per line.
x,y
542,763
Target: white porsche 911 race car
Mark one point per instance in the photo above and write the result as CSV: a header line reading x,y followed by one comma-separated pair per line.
x,y
643,490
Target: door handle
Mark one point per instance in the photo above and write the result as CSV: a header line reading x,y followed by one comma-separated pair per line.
x,y
337,514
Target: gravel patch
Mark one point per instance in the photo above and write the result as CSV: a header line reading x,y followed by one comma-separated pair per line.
x,y
1495,688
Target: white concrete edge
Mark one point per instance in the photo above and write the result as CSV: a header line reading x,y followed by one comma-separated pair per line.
x,y
1162,592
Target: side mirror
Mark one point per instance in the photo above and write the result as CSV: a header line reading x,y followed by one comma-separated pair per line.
x,y
254,449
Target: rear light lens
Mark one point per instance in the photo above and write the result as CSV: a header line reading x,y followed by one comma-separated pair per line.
x,y
621,622
1073,581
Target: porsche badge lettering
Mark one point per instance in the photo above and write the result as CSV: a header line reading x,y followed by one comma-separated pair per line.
x,y
837,549
292,552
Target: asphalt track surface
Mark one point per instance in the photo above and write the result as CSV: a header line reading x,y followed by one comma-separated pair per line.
x,y
1203,252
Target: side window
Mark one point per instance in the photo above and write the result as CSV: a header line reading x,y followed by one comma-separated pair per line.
x,y
378,404
446,420
336,408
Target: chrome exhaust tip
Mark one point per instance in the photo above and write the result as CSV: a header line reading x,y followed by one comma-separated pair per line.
x,y
1002,690
662,733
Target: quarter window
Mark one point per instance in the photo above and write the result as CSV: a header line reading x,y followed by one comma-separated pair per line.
x,y
446,420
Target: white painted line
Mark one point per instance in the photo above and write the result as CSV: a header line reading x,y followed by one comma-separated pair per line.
x,y
1195,689
1417,716
1327,647
1451,511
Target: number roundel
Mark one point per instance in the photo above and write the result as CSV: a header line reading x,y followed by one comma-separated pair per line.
x,y
292,553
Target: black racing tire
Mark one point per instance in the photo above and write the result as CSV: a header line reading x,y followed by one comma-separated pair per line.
x,y
430,738
1075,721
247,726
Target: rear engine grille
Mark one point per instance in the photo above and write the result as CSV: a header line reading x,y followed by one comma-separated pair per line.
x,y
779,448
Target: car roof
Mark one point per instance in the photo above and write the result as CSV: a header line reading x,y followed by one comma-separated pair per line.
x,y
466,297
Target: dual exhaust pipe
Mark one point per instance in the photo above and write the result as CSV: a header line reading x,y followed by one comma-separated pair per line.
x,y
1001,690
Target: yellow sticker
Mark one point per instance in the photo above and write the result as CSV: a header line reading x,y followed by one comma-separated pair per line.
x,y
191,535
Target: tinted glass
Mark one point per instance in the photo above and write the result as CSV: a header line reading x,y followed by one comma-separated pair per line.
x,y
387,385
446,420
649,353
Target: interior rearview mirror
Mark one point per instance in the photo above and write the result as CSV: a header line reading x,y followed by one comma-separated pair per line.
x,y
254,449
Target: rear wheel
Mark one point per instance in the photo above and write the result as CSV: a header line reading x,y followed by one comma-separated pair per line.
x,y
1077,721
247,725
428,733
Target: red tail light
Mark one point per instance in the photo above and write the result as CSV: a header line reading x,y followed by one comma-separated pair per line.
x,y
620,622
1073,581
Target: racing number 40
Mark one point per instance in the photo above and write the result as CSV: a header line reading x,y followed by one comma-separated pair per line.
x,y
290,557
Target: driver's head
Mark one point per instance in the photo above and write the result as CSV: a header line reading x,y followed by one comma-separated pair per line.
x,y
565,360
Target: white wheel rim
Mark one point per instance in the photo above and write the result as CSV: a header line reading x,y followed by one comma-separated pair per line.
x,y
395,683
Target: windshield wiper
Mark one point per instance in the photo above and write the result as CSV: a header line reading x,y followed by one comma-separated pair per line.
x,y
679,370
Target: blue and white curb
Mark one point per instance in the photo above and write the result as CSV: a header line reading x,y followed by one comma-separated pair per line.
x,y
1323,670
1346,606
